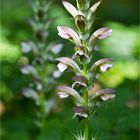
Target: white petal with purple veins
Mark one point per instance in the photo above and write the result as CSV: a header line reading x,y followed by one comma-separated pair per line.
x,y
62,67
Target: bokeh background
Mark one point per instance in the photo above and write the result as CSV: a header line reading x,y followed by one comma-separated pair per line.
x,y
117,119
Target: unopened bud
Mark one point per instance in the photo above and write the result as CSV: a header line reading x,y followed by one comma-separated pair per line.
x,y
80,22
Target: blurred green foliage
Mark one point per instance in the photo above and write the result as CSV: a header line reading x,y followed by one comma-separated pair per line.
x,y
117,119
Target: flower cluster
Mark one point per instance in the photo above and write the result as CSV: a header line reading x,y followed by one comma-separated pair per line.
x,y
38,61
81,63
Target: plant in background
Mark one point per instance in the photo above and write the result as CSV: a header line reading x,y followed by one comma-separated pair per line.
x,y
38,61
86,71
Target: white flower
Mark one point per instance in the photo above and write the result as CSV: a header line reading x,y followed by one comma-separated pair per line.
x,y
107,97
25,47
102,33
105,67
62,95
62,67
67,33
56,48
56,74
85,115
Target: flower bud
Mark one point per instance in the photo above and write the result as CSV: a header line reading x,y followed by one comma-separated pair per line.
x,y
80,22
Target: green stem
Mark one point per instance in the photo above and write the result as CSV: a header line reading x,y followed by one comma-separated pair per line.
x,y
86,122
86,131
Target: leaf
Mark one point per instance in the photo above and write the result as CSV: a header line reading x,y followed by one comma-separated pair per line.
x,y
94,7
69,62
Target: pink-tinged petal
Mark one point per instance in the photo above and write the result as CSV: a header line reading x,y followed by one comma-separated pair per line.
x,y
70,8
66,33
102,61
102,33
62,34
104,94
62,66
105,67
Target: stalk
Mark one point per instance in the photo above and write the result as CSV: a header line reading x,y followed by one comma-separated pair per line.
x,y
84,16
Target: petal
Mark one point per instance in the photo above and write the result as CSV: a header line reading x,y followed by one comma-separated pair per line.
x,y
26,47
105,94
101,61
66,33
79,78
56,74
105,67
71,92
85,115
107,97
102,33
62,95
56,48
62,67
69,62
70,8
79,83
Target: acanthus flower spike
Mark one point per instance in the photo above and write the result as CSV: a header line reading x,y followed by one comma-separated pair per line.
x,y
85,44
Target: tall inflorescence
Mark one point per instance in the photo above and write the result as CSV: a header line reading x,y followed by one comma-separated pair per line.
x,y
37,61
86,71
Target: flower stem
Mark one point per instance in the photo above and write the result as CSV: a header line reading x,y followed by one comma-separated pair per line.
x,y
86,122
